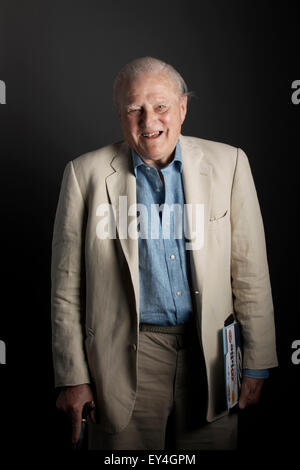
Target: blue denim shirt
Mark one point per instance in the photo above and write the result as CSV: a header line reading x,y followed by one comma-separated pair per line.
x,y
165,297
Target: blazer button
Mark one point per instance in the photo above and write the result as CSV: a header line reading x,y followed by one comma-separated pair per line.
x,y
133,347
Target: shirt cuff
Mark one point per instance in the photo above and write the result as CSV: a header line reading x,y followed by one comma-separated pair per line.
x,y
256,373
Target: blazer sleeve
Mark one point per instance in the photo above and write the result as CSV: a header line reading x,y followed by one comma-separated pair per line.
x,y
68,284
251,287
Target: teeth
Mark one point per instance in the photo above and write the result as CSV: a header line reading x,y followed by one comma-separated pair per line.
x,y
151,135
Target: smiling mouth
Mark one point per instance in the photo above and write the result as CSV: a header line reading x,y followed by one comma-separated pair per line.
x,y
152,135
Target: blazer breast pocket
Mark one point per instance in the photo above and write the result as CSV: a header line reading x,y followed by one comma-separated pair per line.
x,y
218,219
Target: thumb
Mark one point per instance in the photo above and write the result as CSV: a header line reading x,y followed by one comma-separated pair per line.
x,y
244,397
242,403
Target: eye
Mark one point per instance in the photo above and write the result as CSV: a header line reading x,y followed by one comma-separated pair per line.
x,y
133,110
161,108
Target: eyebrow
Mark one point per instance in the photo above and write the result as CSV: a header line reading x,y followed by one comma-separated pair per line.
x,y
132,105
159,100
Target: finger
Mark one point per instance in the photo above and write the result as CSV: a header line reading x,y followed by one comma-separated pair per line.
x,y
255,396
91,410
76,426
91,406
59,404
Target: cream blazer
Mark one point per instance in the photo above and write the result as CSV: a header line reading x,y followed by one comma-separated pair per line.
x,y
95,282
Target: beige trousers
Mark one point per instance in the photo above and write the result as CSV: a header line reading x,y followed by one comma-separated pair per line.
x,y
169,411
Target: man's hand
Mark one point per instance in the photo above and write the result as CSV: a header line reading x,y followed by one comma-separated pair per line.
x,y
71,401
250,392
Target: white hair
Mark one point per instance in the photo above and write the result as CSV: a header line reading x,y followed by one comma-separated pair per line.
x,y
144,65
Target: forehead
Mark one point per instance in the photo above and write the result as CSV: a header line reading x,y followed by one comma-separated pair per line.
x,y
149,86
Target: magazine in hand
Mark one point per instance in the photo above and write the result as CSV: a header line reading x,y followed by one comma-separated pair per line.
x,y
233,362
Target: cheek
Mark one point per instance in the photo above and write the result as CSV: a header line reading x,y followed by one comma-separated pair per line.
x,y
129,127
167,121
173,122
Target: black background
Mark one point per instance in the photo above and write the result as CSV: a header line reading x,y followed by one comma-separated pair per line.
x,y
58,60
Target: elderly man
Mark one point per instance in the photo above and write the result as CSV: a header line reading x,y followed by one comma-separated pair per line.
x,y
137,304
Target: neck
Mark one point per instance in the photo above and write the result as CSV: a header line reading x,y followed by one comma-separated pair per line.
x,y
160,163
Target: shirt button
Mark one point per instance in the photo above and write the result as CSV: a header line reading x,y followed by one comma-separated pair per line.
x,y
197,292
148,168
157,190
172,256
178,292
133,347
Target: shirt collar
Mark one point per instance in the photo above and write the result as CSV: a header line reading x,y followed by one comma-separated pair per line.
x,y
137,161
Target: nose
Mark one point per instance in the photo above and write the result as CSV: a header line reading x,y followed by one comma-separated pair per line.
x,y
148,118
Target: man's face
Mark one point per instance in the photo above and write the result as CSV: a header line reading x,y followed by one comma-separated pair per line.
x,y
151,114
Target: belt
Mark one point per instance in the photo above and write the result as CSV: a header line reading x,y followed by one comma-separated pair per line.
x,y
175,329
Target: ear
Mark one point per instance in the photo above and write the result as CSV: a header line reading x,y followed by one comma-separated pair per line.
x,y
183,107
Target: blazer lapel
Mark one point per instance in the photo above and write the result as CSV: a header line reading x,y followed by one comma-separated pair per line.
x,y
121,188
196,175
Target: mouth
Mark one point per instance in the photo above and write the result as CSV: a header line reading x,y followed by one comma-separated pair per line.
x,y
151,135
